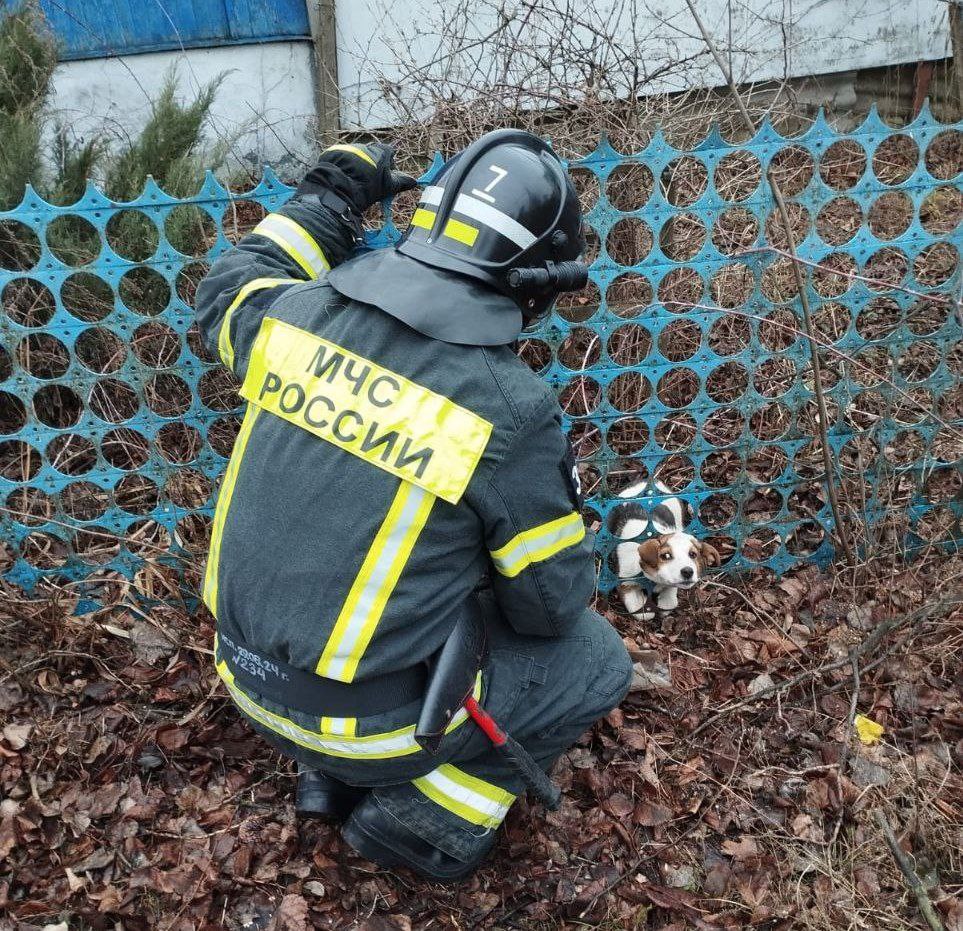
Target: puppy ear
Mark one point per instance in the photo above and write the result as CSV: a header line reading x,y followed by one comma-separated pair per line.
x,y
710,554
649,553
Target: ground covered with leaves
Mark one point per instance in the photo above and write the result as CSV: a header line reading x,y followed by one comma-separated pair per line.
x,y
135,798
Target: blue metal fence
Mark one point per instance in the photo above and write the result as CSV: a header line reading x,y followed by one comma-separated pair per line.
x,y
684,364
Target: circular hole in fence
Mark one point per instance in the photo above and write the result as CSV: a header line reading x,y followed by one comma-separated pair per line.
x,y
676,432
87,297
763,505
13,413
57,406
774,377
912,407
943,484
729,335
627,521
629,344
188,488
831,321
737,175
881,317
629,241
735,231
833,276
628,187
807,500
241,216
113,400
792,167
727,382
887,268
723,426
167,395
799,226
805,539
761,545
675,472
586,184
43,355
944,155
132,235
579,306
680,340
905,448
629,295
71,454
936,264
147,538
628,436
895,159
197,346
954,359
682,237
73,240
580,350
678,387
941,210
871,366
724,545
136,494
125,449
156,344
222,433
28,302
144,291
779,330
19,461
947,445
586,439
680,289
937,525
779,281
29,506
44,550
865,410
593,245
190,230
84,500
623,475
193,533
684,181
179,442
839,220
95,546
891,215
770,421
580,396
732,285
187,280
218,390
100,350
842,164
722,468
590,478
629,391
857,455
6,364
717,511
535,353
918,361
766,464
19,246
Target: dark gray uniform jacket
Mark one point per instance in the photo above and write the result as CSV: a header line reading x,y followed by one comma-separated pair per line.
x,y
377,476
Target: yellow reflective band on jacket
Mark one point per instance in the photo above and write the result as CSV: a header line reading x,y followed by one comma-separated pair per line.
x,y
354,150
365,409
296,241
223,506
538,544
225,347
467,796
400,742
375,582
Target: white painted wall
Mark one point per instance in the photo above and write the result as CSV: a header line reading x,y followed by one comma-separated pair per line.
x,y
264,110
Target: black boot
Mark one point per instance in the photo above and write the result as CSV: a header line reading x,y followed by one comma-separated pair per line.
x,y
321,796
386,841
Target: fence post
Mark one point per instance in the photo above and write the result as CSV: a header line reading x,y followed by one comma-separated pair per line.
x,y
323,22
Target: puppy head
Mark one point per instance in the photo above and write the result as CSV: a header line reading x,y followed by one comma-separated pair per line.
x,y
676,559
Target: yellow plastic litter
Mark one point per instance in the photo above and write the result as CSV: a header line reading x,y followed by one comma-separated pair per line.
x,y
867,729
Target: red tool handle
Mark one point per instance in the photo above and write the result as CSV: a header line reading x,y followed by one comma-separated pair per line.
x,y
485,721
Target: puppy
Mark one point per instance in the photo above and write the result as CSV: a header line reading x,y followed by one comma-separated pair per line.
x,y
671,560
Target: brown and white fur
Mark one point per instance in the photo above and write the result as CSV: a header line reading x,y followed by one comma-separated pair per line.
x,y
671,560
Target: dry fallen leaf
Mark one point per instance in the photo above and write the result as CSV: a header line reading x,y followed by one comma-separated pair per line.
x,y
868,730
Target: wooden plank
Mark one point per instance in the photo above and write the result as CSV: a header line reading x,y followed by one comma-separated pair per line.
x,y
327,92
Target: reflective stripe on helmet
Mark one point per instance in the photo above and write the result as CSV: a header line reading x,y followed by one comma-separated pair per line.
x,y
482,213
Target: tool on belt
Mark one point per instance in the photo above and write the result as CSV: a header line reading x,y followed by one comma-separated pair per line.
x,y
450,687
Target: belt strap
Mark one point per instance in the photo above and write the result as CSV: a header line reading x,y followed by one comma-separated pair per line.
x,y
312,694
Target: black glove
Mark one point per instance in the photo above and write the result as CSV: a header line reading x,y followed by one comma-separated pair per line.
x,y
357,176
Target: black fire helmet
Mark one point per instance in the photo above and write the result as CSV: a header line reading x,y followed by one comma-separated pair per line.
x,y
491,244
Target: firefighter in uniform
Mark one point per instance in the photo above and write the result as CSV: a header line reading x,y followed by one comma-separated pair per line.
x,y
393,455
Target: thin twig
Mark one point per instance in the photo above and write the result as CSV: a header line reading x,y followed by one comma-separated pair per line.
x,y
847,742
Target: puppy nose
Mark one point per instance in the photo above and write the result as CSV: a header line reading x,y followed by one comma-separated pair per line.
x,y
687,572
